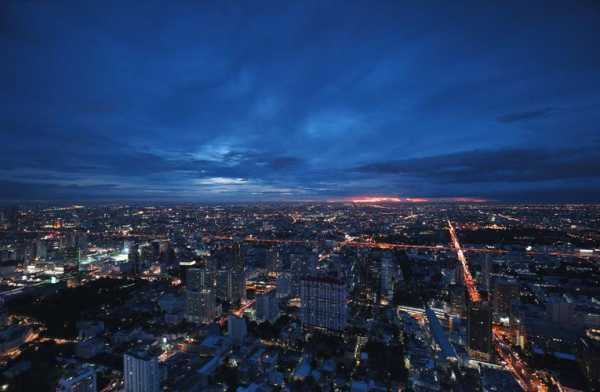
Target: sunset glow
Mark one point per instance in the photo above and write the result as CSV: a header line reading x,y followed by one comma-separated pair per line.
x,y
396,199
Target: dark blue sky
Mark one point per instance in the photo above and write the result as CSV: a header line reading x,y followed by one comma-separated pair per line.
x,y
262,100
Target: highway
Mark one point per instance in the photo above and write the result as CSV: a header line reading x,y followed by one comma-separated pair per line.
x,y
389,245
468,278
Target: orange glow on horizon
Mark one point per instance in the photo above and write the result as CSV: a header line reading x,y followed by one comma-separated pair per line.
x,y
396,199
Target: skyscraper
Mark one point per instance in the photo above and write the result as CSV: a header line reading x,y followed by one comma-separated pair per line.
x,y
284,285
267,306
156,248
200,298
230,286
487,265
200,279
458,298
141,372
479,330
41,250
301,265
505,292
323,303
200,306
387,278
133,257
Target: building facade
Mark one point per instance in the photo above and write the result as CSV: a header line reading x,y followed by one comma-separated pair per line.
x,y
141,372
267,306
323,303
479,330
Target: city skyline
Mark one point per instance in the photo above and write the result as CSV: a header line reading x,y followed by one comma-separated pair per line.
x,y
214,102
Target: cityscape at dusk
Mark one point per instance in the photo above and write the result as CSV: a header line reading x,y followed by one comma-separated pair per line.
x,y
298,196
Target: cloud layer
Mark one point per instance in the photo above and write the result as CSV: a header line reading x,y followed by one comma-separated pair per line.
x,y
313,100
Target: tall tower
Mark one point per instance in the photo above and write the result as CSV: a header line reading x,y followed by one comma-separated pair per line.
x,y
133,257
199,279
200,297
231,281
479,330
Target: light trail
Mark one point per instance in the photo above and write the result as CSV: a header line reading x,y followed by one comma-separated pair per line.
x,y
389,245
468,278
238,312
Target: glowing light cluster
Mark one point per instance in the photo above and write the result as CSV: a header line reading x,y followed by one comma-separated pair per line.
x,y
396,199
376,199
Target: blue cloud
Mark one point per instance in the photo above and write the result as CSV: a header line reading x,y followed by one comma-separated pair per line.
x,y
210,101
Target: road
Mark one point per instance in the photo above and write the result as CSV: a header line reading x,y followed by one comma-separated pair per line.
x,y
388,245
468,278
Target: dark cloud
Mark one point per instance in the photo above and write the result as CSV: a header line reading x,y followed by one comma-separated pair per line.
x,y
212,100
16,191
525,116
574,194
283,163
505,165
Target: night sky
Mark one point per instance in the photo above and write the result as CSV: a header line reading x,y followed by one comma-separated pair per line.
x,y
299,100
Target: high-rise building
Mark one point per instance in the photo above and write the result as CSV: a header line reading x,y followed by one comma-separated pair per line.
x,y
236,329
273,260
146,254
200,279
200,306
170,255
505,292
283,285
486,271
72,255
81,241
231,286
231,282
267,306
41,250
323,303
387,278
479,330
141,371
458,298
301,265
12,216
82,379
155,246
133,257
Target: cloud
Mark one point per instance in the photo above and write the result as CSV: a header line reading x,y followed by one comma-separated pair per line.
x,y
290,102
221,181
284,163
502,165
19,191
526,115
